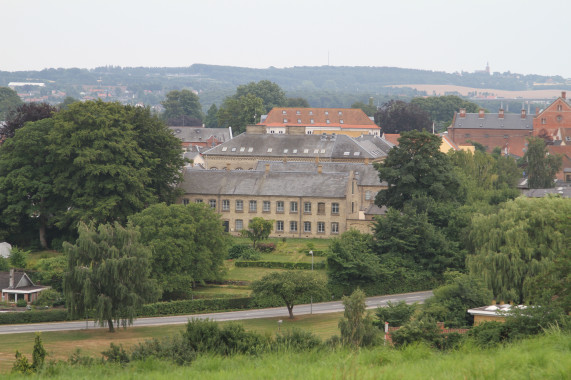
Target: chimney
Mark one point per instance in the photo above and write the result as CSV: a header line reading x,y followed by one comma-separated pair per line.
x,y
11,284
564,94
501,113
462,112
267,168
366,160
481,113
537,110
523,113
320,169
316,159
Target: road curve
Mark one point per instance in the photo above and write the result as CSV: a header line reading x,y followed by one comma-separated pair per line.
x,y
317,308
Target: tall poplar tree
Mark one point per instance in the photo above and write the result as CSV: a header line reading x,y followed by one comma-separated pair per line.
x,y
108,273
541,166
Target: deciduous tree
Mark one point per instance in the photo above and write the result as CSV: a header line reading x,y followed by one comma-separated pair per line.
x,y
356,326
290,286
188,245
108,273
182,108
258,229
270,93
239,112
25,113
518,242
9,100
541,166
397,116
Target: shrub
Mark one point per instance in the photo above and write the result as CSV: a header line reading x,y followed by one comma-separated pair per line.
x,y
116,354
81,360
489,334
397,314
242,251
297,340
22,365
21,303
423,330
175,349
49,297
18,258
266,247
39,353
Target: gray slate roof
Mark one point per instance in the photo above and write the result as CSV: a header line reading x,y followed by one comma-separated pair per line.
x,y
20,278
367,174
260,183
564,192
492,121
199,134
375,144
282,145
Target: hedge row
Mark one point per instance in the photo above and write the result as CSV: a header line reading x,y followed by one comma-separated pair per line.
x,y
278,265
150,310
9,318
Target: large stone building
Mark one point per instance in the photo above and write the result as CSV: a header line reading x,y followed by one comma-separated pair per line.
x,y
344,121
244,151
302,198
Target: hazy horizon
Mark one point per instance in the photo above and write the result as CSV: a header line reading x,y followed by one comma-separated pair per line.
x,y
437,36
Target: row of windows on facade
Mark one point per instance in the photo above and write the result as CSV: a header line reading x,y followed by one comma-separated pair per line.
x,y
559,119
312,121
267,205
293,226
284,112
487,135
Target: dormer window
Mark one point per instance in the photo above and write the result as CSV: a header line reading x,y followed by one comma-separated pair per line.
x,y
327,112
297,112
340,113
284,112
224,149
312,121
299,121
341,121
285,120
286,150
327,121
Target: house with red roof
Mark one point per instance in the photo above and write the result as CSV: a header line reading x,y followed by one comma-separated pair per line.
x,y
351,122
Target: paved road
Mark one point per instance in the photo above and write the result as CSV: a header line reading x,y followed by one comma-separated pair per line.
x,y
318,308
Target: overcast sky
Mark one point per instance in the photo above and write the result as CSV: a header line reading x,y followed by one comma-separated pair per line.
x,y
523,36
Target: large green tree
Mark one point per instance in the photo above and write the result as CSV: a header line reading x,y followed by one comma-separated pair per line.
x,y
9,100
239,112
111,161
25,113
188,245
518,242
270,93
291,286
108,274
417,168
26,180
397,116
211,119
541,167
442,108
182,108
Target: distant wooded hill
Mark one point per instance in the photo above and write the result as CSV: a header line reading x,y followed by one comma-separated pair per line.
x,y
323,86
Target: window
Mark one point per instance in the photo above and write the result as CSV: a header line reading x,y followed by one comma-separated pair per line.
x,y
321,208
335,208
306,226
225,205
368,195
327,112
340,113
543,120
559,118
242,149
327,121
321,227
322,151
559,107
270,149
292,206
239,205
312,121
293,226
297,112
280,206
266,206
311,112
299,121
283,112
307,207
467,135
286,150
253,206
306,151
341,121
334,228
212,203
239,224
250,150
280,226
506,136
224,149
185,201
198,201
294,151
352,206
285,120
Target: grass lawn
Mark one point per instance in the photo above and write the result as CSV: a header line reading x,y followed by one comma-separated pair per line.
x,y
33,257
253,274
60,345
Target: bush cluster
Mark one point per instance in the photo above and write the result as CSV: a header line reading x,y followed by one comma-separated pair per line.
x,y
33,317
278,265
266,247
243,251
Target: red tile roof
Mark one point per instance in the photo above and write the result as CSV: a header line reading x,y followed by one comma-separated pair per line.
x,y
337,117
392,138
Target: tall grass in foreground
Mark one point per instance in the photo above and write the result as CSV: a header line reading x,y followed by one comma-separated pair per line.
x,y
543,357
